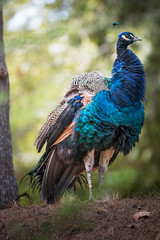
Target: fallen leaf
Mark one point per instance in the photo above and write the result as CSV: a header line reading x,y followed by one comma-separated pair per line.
x,y
101,210
138,215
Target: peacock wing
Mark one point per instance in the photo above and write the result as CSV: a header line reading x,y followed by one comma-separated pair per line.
x,y
92,82
65,123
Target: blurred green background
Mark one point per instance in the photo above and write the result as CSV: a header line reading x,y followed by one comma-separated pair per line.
x,y
47,43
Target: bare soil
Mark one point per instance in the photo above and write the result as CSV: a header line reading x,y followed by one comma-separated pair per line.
x,y
109,219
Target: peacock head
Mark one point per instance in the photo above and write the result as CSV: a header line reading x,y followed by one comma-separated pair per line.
x,y
124,39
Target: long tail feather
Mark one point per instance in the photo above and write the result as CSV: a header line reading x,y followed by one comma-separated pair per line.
x,y
58,176
36,174
52,176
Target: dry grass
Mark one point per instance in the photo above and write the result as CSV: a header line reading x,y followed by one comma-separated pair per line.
x,y
112,218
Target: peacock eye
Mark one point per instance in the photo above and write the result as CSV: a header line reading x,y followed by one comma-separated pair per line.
x,y
127,35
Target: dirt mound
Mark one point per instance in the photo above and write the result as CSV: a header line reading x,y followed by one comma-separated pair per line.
x,y
117,219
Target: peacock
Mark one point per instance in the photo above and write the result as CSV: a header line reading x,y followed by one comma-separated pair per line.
x,y
98,118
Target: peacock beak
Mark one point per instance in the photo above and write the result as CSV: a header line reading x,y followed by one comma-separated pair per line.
x,y
136,39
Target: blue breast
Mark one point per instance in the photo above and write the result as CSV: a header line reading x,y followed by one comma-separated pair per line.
x,y
103,124
114,117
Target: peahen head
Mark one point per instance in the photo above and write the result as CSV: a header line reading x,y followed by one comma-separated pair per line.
x,y
124,39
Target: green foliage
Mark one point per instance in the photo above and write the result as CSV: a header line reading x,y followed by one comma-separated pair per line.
x,y
35,196
67,212
68,217
14,230
57,40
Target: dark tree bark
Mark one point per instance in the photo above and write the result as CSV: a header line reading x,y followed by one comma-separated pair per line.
x,y
8,185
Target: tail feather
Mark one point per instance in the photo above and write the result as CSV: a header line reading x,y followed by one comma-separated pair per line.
x,y
36,173
82,181
52,175
57,177
66,179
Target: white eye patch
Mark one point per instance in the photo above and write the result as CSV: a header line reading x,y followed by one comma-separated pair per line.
x,y
125,38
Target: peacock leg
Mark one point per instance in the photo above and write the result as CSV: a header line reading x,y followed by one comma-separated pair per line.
x,y
105,157
89,162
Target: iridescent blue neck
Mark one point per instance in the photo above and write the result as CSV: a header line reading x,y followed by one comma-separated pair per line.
x,y
121,47
128,82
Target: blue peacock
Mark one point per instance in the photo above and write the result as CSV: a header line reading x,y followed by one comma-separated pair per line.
x,y
98,118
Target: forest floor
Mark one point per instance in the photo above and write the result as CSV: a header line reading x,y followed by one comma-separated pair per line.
x,y
114,219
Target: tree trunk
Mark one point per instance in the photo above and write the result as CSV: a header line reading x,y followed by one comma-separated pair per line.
x,y
8,185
